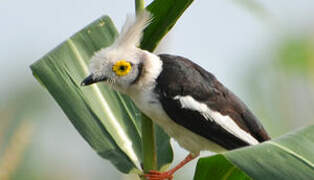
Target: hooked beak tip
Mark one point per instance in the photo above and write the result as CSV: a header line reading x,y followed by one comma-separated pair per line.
x,y
83,83
91,79
88,80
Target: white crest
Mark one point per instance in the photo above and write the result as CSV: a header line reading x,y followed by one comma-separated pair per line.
x,y
132,29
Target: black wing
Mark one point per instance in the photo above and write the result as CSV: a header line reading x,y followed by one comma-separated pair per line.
x,y
182,77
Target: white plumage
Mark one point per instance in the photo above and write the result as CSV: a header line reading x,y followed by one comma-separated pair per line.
x,y
132,30
226,122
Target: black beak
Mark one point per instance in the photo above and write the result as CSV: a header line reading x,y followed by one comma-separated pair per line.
x,y
91,80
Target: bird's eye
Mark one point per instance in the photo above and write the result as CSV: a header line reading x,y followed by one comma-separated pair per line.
x,y
121,68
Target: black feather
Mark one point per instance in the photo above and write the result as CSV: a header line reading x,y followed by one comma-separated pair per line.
x,y
182,77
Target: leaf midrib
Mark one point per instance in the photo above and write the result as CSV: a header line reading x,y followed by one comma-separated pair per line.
x,y
126,143
228,173
293,153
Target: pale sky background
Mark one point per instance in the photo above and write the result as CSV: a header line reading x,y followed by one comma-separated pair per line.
x,y
220,35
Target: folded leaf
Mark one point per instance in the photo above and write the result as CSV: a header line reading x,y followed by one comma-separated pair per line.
x,y
107,120
288,157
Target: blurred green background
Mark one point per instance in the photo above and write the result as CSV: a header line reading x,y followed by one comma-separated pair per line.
x,y
262,50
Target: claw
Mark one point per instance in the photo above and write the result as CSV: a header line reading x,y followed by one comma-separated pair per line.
x,y
156,175
168,175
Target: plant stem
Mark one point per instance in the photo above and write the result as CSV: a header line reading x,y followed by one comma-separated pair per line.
x,y
149,144
139,5
148,132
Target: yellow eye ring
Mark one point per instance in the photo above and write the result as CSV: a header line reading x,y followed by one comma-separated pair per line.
x,y
121,68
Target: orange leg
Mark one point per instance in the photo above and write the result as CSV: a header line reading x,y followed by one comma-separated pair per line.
x,y
156,175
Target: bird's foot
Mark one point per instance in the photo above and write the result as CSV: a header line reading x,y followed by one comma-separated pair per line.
x,y
168,175
156,175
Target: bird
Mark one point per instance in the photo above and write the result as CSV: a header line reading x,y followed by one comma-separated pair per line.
x,y
185,100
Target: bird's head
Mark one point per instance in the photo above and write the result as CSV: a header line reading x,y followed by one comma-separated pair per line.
x,y
120,64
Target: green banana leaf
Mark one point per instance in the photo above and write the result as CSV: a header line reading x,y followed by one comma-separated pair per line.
x,y
166,13
288,157
107,120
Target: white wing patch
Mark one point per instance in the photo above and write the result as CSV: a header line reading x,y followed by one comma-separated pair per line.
x,y
226,122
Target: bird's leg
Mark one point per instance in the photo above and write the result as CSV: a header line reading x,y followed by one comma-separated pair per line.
x,y
156,175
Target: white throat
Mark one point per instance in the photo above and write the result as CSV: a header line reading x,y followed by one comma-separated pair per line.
x,y
152,67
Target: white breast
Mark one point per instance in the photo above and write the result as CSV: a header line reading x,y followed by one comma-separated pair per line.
x,y
192,142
